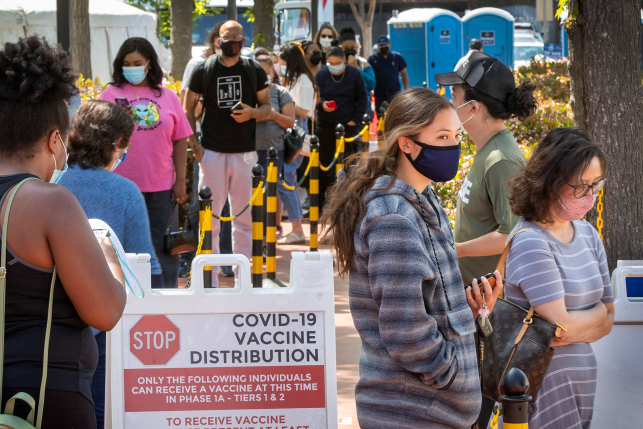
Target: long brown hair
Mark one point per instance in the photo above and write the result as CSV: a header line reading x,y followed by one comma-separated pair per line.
x,y
410,112
321,28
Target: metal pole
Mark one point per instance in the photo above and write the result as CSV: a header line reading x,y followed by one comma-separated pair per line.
x,y
205,225
271,215
366,134
257,228
232,10
515,401
339,133
380,125
314,18
314,191
63,24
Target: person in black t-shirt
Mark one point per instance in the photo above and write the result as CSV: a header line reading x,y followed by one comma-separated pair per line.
x,y
227,151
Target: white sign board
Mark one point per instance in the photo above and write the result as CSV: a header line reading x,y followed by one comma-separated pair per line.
x,y
229,358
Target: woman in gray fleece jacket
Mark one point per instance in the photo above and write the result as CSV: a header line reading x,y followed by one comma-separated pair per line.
x,y
418,365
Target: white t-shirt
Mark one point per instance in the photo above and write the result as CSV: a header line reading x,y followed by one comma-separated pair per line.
x,y
303,93
463,59
189,70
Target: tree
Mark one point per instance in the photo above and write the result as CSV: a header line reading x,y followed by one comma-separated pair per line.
x,y
263,14
181,35
365,23
606,98
81,56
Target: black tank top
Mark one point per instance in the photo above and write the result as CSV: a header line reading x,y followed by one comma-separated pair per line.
x,y
73,354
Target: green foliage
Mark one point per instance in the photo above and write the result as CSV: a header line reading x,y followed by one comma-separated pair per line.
x,y
552,94
162,10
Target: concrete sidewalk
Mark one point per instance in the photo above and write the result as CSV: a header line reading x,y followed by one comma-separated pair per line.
x,y
347,340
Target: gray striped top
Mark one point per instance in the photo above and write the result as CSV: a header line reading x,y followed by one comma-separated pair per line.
x,y
541,269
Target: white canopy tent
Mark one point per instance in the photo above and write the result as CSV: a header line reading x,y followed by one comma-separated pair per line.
x,y
111,22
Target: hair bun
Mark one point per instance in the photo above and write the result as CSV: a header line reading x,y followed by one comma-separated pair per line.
x,y
521,101
347,30
334,42
34,70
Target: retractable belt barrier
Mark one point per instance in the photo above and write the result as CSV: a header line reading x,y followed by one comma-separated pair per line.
x,y
242,357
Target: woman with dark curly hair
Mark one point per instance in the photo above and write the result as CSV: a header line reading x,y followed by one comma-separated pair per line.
x,y
485,96
558,266
158,156
48,234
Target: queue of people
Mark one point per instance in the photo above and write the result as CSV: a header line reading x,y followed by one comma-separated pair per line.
x,y
416,285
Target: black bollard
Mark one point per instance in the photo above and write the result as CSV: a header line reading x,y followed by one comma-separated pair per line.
x,y
257,228
366,134
339,147
514,400
314,191
271,215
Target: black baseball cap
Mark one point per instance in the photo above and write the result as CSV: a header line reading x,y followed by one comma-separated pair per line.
x,y
383,40
483,73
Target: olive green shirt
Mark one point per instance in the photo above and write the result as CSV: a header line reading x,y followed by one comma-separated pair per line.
x,y
483,201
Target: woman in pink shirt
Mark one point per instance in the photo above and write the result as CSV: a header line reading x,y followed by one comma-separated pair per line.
x,y
156,160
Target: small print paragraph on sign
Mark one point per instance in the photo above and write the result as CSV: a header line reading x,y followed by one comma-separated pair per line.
x,y
228,388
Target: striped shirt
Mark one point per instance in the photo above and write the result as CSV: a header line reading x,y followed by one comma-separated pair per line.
x,y
541,269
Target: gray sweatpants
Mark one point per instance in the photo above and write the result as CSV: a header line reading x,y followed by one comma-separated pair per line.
x,y
229,176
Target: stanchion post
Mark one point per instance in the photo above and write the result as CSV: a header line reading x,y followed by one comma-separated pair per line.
x,y
339,133
514,399
314,191
366,133
257,228
380,132
271,215
205,225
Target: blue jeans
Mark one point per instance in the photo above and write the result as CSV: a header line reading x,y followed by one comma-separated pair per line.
x,y
159,209
263,161
289,197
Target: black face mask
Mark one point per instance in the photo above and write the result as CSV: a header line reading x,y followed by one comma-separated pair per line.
x,y
231,48
384,50
349,52
316,58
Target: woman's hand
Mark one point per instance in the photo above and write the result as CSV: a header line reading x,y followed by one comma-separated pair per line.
x,y
112,259
352,61
327,107
352,123
128,110
474,295
178,191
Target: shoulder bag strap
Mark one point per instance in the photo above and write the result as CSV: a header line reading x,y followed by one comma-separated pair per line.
x,y
503,258
3,277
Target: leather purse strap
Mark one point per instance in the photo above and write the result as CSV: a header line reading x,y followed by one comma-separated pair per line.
x,y
3,283
503,258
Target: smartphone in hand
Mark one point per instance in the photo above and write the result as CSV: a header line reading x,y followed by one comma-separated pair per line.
x,y
237,107
122,102
332,104
491,278
100,233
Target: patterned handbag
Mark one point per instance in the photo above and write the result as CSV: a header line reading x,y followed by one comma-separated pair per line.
x,y
521,339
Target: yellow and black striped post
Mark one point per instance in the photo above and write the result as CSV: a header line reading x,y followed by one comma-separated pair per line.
x,y
514,400
340,132
366,133
271,215
205,228
380,128
257,228
313,187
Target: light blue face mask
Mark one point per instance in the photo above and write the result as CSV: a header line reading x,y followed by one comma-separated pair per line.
x,y
135,75
335,69
58,174
284,69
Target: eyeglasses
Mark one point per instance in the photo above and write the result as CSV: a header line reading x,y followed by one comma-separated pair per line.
x,y
326,36
583,190
235,38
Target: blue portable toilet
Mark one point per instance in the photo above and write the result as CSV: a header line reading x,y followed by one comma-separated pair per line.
x,y
430,40
495,28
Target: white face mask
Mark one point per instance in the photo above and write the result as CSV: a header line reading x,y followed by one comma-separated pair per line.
x,y
58,174
472,101
325,42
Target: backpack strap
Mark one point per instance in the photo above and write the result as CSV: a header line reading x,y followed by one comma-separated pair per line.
x,y
3,289
251,72
208,73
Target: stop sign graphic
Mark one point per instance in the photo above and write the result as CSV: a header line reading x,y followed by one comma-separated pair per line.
x,y
154,340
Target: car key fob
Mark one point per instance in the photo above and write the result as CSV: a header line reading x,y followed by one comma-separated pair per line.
x,y
484,326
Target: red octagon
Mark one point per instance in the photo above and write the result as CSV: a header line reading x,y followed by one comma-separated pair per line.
x,y
154,340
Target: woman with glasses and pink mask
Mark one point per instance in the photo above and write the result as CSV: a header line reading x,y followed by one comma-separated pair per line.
x,y
485,96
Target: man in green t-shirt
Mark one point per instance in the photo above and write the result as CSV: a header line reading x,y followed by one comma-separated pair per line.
x,y
485,95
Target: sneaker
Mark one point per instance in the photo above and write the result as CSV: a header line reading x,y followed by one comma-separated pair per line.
x,y
184,269
227,272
